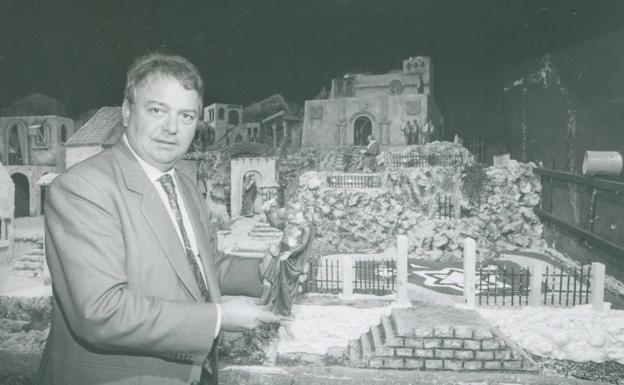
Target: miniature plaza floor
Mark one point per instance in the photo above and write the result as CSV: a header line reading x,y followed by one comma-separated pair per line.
x,y
320,322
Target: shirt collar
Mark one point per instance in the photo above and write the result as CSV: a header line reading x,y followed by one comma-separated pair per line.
x,y
152,172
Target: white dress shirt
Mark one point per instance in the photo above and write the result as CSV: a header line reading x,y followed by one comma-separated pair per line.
x,y
153,174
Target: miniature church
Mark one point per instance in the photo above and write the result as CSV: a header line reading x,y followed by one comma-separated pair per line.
x,y
379,105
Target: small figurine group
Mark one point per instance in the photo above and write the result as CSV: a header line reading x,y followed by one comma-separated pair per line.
x,y
416,133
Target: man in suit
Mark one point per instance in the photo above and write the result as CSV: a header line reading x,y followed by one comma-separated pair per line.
x,y
136,274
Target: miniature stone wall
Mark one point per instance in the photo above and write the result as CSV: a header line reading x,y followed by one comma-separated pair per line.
x,y
7,202
353,220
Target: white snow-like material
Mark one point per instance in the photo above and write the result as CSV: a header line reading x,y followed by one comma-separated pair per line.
x,y
257,369
577,334
314,328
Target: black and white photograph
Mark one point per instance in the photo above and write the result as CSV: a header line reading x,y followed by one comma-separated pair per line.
x,y
311,192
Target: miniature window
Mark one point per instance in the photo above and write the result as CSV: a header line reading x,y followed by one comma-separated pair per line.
x,y
40,135
211,115
221,114
233,117
63,134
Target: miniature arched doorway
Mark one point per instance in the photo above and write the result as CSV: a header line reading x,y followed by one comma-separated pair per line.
x,y
251,198
22,195
362,128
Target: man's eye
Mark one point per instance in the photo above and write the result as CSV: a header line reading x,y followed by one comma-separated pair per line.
x,y
156,111
188,118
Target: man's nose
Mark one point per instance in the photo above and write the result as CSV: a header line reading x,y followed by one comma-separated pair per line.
x,y
171,125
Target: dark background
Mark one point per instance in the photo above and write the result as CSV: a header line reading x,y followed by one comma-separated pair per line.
x,y
78,51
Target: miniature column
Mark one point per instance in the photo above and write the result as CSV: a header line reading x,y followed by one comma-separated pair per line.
x,y
535,291
274,135
347,276
597,285
402,297
287,132
470,251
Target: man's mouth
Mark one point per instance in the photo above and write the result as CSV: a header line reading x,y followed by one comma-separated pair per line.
x,y
166,142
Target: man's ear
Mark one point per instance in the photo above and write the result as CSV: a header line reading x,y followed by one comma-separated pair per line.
x,y
125,112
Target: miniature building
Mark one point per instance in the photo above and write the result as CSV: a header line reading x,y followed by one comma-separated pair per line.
x,y
280,122
266,176
225,120
381,105
7,201
271,121
31,146
101,131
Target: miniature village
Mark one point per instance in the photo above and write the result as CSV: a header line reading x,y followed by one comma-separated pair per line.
x,y
425,250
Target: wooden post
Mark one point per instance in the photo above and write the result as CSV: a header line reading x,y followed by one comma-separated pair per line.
x,y
402,247
597,285
535,285
347,276
470,247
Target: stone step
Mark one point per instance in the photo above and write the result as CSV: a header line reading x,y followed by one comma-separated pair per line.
x,y
261,230
265,236
26,265
355,354
37,258
367,348
377,346
390,338
35,251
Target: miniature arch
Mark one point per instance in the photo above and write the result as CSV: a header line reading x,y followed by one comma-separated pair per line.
x,y
350,132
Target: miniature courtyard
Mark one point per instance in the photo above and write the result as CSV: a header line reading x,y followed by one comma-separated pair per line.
x,y
387,287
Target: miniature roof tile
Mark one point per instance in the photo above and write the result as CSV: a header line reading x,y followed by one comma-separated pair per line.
x,y
273,104
100,129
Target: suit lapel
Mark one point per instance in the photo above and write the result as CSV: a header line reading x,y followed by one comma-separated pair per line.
x,y
156,217
205,244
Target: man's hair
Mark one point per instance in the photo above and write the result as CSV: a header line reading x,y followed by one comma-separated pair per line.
x,y
164,65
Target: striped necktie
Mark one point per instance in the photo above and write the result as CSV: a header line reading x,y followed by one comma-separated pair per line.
x,y
167,183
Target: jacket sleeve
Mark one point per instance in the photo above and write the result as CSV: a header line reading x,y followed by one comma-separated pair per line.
x,y
85,249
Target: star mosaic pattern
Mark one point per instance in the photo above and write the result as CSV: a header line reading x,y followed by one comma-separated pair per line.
x,y
453,278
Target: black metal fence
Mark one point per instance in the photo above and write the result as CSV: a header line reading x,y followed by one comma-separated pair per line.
x,y
412,160
566,288
511,286
502,286
375,276
354,180
446,207
477,147
324,277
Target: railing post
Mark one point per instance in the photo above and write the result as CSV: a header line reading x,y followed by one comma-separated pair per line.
x,y
470,250
597,285
402,247
347,276
535,285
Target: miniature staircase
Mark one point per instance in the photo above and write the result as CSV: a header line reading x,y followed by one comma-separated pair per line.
x,y
30,264
339,162
264,231
403,341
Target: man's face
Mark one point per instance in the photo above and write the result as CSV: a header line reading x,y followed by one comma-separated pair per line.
x,y
161,122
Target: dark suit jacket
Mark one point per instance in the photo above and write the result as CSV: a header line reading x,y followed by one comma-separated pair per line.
x,y
127,309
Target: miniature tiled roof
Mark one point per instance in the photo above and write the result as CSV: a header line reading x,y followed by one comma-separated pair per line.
x,y
100,129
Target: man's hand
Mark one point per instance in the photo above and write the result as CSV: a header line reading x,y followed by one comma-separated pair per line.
x,y
242,313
